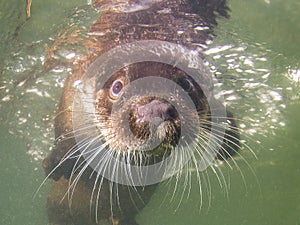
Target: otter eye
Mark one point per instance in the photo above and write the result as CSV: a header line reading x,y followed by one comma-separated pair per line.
x,y
116,88
186,84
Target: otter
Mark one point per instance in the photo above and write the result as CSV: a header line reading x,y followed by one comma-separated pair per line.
x,y
135,110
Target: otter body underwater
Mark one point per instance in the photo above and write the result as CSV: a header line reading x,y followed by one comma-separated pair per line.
x,y
134,115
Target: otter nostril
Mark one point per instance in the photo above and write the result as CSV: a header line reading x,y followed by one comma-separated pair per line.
x,y
171,112
156,110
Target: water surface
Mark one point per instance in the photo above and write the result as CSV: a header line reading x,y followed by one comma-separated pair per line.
x,y
255,57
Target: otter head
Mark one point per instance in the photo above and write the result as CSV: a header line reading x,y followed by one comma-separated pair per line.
x,y
148,112
141,109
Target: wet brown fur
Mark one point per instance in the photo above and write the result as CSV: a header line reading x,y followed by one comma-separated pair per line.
x,y
118,28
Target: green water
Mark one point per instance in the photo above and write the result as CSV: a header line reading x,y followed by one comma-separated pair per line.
x,y
256,57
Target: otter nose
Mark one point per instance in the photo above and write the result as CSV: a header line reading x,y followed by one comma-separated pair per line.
x,y
156,112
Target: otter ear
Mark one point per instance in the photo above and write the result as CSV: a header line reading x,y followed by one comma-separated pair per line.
x,y
231,140
54,168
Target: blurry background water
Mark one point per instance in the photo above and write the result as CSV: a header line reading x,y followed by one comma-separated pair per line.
x,y
255,56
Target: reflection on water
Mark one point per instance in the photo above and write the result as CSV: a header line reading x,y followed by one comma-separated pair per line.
x,y
127,6
243,72
258,81
31,84
293,75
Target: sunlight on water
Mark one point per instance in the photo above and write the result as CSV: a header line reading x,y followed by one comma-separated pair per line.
x,y
30,91
244,73
293,75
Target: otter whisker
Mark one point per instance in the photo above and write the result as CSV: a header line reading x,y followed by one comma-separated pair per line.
x,y
126,167
79,131
207,156
185,184
207,184
234,161
127,171
234,138
230,117
84,164
221,136
119,154
64,159
179,168
219,146
239,130
97,196
195,161
107,161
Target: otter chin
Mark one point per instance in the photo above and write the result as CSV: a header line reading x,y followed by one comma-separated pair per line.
x,y
123,126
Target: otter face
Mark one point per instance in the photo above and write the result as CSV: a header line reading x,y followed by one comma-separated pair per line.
x,y
145,110
148,121
148,118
